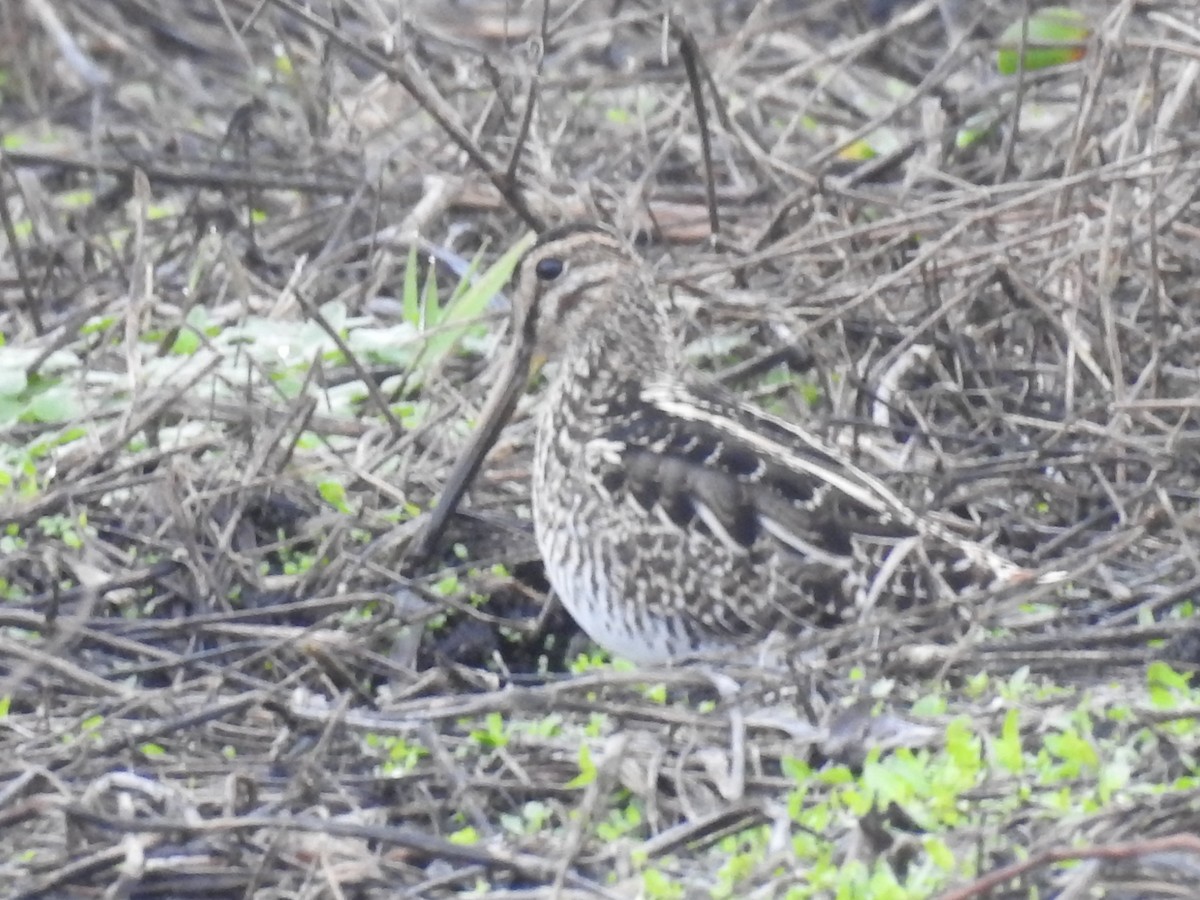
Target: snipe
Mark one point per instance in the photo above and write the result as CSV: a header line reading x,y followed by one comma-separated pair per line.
x,y
674,519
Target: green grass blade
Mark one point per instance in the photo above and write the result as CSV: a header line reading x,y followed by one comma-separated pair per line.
x,y
473,302
411,298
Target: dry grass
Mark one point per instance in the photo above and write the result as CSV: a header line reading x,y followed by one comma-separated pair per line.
x,y
222,676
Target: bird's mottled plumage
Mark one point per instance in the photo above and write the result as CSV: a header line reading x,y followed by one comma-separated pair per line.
x,y
676,520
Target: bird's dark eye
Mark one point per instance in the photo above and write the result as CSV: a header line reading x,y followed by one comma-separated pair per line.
x,y
548,269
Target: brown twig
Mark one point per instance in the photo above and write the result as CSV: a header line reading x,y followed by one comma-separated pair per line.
x,y
690,52
1188,843
422,89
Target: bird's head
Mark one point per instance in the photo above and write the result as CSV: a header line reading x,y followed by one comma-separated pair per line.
x,y
563,279
571,275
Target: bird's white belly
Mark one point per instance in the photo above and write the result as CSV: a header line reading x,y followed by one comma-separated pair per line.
x,y
593,591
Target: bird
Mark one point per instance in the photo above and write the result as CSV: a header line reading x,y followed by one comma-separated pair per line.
x,y
676,521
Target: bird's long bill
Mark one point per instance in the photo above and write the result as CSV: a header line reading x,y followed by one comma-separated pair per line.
x,y
496,409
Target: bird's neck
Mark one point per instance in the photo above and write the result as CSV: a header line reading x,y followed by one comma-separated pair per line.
x,y
617,342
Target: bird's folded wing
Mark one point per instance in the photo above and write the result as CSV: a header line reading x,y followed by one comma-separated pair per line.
x,y
689,451
698,459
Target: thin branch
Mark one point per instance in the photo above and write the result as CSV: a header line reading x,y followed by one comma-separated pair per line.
x,y
419,86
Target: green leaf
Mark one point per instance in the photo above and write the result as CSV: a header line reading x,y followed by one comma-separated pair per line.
x,y
1075,751
13,381
1054,36
10,410
431,312
493,735
940,853
857,151
655,693
335,314
1161,673
1007,749
411,297
1167,687
976,127
587,769
471,303
75,199
657,886
334,493
930,705
1114,776
186,343
796,769
467,278
962,746
53,405
187,339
